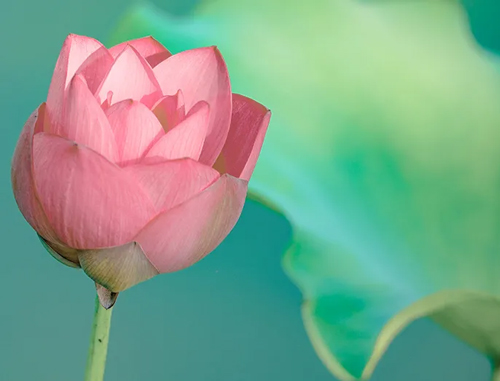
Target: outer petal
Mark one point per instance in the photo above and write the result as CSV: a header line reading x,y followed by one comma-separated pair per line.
x,y
185,234
62,253
90,202
22,180
170,110
85,122
187,138
117,268
130,77
249,123
172,182
75,50
135,128
95,68
201,74
153,51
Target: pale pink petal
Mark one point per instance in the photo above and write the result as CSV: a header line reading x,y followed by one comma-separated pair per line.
x,y
172,182
186,139
75,50
152,50
183,235
136,129
22,179
95,68
130,77
170,110
85,121
202,75
248,128
89,201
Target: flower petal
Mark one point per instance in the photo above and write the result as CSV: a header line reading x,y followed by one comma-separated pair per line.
x,y
75,50
22,179
170,183
170,110
153,51
185,234
187,138
62,253
249,123
155,59
95,68
201,74
107,298
89,201
130,77
135,128
117,268
107,102
85,121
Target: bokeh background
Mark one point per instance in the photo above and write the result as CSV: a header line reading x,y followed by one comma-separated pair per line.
x,y
233,316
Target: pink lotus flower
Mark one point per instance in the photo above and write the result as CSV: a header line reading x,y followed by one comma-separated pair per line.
x,y
138,162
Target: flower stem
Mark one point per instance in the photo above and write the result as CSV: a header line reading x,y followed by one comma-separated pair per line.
x,y
96,361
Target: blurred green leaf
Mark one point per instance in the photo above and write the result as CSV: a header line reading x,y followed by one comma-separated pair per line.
x,y
383,152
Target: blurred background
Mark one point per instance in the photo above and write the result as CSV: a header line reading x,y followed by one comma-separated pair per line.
x,y
234,316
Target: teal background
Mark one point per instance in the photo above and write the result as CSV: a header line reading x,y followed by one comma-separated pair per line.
x,y
233,316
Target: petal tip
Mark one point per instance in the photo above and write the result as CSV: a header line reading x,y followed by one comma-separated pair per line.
x,y
107,298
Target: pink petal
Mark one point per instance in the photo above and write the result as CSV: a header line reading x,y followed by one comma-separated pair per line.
x,y
107,103
170,110
186,139
89,201
136,129
156,59
248,128
95,68
153,51
185,234
130,77
75,50
22,180
201,74
85,121
172,182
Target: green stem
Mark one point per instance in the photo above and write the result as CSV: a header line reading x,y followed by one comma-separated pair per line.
x,y
96,361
